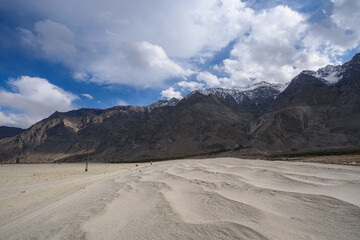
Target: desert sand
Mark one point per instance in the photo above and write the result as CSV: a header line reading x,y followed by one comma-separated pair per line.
x,y
220,198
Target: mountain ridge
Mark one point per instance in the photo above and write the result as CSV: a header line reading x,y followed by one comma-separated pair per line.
x,y
6,131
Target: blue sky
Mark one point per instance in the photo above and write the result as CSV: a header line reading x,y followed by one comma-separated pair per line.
x,y
64,55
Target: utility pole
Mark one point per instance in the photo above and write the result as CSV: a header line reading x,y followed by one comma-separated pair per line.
x,y
87,151
87,159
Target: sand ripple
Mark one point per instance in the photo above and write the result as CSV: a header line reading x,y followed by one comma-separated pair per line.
x,y
233,199
185,199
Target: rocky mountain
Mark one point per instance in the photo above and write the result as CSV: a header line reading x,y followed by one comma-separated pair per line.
x,y
312,114
316,110
6,132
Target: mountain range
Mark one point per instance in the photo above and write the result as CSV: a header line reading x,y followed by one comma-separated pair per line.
x,y
316,110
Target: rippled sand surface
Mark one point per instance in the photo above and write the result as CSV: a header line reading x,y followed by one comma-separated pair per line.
x,y
224,198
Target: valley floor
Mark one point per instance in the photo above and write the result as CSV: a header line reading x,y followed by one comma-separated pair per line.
x,y
219,198
343,159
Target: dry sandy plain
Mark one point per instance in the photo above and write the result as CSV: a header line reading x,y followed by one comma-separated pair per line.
x,y
224,198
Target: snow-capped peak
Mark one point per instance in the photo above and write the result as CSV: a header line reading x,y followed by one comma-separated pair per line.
x,y
329,74
257,85
278,86
262,88
163,103
255,92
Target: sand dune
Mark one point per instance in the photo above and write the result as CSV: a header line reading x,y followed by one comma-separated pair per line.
x,y
223,198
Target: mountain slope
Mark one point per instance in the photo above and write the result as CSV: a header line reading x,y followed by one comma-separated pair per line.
x,y
198,125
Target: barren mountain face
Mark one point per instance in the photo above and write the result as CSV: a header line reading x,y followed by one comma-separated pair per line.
x,y
317,110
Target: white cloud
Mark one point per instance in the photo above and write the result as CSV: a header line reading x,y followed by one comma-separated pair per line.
x,y
144,55
139,64
87,95
344,33
341,33
210,79
347,14
54,40
171,93
33,99
191,86
273,51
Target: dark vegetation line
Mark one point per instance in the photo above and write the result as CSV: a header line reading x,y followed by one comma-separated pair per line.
x,y
82,157
331,152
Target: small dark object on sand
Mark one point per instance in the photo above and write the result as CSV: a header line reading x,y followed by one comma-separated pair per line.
x,y
136,165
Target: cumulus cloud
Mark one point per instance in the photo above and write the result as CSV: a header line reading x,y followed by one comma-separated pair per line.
x,y
140,64
210,79
31,100
144,55
269,53
171,93
191,86
87,96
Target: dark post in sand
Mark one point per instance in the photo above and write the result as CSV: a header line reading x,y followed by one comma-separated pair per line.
x,y
87,159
